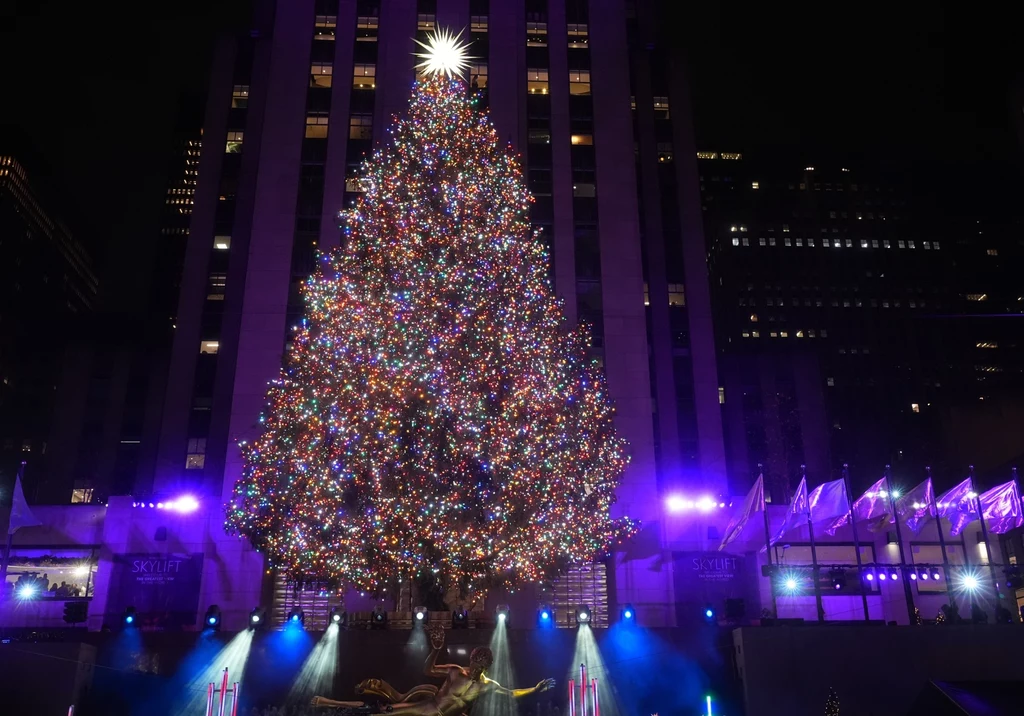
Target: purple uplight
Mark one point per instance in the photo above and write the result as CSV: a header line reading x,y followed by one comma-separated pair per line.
x,y
681,503
870,577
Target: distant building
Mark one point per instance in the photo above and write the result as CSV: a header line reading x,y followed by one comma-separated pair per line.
x,y
46,282
113,379
853,321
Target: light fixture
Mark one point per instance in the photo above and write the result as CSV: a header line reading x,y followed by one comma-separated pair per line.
x,y
379,618
709,614
913,576
583,615
894,575
338,616
502,612
970,582
460,618
870,575
257,618
838,578
629,614
26,591
296,618
545,616
936,574
131,617
420,615
212,618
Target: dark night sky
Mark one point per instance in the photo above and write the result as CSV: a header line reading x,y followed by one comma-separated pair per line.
x,y
94,89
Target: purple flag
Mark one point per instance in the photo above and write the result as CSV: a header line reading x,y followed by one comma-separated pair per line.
x,y
828,501
753,503
918,505
1001,507
872,505
796,515
959,505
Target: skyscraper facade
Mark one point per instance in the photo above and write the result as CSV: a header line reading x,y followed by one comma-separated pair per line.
x,y
861,318
46,282
599,115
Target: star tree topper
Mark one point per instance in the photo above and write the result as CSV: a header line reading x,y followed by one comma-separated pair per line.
x,y
444,55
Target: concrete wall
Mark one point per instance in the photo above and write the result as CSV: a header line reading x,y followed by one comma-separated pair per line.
x,y
875,671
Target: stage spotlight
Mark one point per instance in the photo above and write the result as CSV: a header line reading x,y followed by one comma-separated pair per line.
x,y
838,578
629,614
257,618
460,618
709,614
296,618
212,618
923,574
379,618
545,616
131,617
583,615
420,615
870,575
882,576
338,616
894,575
791,584
27,591
913,576
970,582
502,612
936,574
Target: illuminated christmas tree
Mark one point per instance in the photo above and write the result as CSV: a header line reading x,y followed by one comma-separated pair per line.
x,y
434,415
832,703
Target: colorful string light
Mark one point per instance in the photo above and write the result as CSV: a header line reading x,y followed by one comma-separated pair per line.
x,y
434,415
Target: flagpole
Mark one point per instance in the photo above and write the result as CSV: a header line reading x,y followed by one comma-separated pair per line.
x,y
815,571
984,537
899,539
942,543
768,541
856,542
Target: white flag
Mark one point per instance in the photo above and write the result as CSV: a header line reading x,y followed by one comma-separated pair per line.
x,y
753,503
21,515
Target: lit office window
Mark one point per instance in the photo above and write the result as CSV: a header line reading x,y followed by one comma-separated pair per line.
x,y
537,34
222,243
366,28
325,26
664,152
478,74
320,74
582,139
425,22
676,294
240,96
364,77
977,297
217,285
81,496
579,82
234,144
316,125
578,35
209,347
195,457
360,126
537,80
478,23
